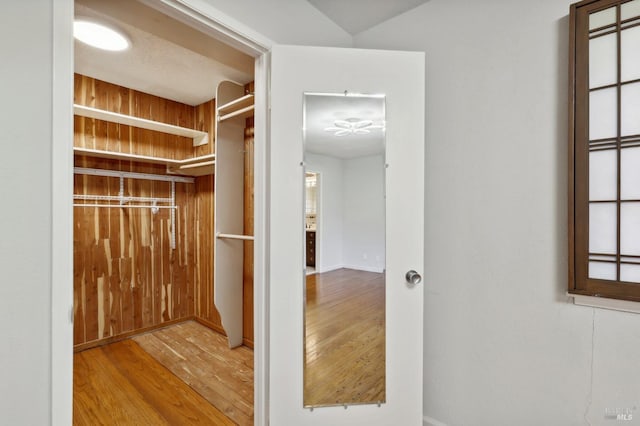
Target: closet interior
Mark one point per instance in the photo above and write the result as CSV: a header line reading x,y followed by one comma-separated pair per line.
x,y
163,197
144,213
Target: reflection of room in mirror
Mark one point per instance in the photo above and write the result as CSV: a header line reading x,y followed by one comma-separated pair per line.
x,y
344,157
345,338
311,200
311,220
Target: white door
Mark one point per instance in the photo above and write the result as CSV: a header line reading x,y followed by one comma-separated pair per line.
x,y
400,77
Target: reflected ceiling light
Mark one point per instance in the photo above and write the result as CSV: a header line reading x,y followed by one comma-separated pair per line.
x,y
352,126
99,35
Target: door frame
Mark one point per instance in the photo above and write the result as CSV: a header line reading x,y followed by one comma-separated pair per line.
x,y
204,17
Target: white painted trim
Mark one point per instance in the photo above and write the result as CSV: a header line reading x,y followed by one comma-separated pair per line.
x,y
234,236
62,215
261,260
430,421
354,267
328,268
364,268
203,16
605,303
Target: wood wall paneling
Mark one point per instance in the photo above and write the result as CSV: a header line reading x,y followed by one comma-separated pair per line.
x,y
247,288
205,120
126,277
102,135
205,308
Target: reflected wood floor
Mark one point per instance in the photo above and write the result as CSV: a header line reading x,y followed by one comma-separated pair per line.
x,y
345,340
123,384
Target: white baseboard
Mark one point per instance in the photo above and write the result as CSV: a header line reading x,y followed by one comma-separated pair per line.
x,y
355,267
429,421
364,268
329,268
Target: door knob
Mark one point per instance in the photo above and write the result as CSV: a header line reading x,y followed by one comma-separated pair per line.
x,y
413,277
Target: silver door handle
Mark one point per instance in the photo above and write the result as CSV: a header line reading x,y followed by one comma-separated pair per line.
x,y
413,277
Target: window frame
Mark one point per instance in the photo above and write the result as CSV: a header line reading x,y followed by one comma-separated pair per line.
x,y
578,155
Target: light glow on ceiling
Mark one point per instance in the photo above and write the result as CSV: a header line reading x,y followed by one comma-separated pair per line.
x,y
352,126
99,35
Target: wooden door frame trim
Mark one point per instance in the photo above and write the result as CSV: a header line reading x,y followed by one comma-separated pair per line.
x,y
578,279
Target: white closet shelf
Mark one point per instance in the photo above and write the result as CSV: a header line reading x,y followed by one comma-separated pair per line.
x,y
238,108
235,236
197,166
202,167
199,137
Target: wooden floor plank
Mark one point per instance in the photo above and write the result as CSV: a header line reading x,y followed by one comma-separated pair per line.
x,y
201,358
180,406
103,396
344,338
121,384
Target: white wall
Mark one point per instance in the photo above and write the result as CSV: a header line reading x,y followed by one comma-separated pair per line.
x,y
330,207
26,226
26,186
351,212
363,236
286,21
503,345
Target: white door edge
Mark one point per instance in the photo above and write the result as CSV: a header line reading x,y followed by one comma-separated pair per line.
x,y
62,216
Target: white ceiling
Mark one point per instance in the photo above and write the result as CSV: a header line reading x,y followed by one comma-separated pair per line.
x,y
174,61
355,16
166,59
320,112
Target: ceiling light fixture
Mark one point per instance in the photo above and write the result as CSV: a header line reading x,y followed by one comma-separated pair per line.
x,y
352,126
99,35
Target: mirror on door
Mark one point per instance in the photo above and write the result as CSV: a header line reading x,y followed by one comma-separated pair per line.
x,y
344,187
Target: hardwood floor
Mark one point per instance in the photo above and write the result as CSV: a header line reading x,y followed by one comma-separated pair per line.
x,y
202,359
345,340
121,384
184,374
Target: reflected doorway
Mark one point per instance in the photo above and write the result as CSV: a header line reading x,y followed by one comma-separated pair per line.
x,y
311,212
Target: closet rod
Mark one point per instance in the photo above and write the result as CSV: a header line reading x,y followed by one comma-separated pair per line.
x,y
125,206
235,236
122,199
131,175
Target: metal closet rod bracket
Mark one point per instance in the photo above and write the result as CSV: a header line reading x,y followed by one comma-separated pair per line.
x,y
124,200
